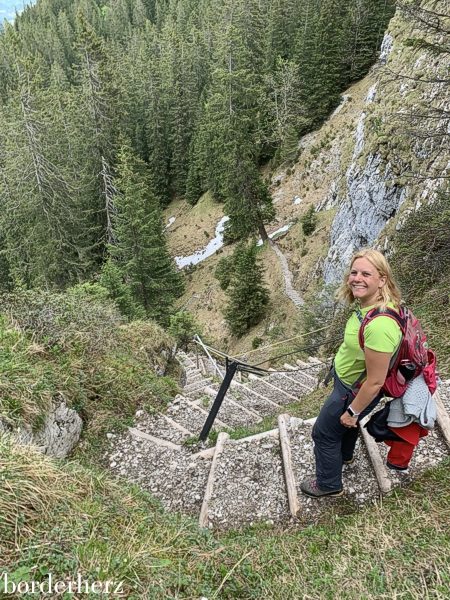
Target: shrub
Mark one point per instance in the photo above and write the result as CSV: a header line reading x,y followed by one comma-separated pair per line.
x,y
256,342
248,298
183,327
309,221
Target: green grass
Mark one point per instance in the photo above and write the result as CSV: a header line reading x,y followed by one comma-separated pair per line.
x,y
79,349
66,518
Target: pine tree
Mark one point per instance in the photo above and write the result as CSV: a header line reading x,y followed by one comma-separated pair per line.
x,y
140,250
249,204
309,221
40,187
111,278
284,108
98,99
248,297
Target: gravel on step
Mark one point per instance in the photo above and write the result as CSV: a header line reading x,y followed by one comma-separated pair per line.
x,y
186,415
196,386
193,377
157,426
276,395
170,476
242,395
249,485
288,384
309,383
230,413
315,366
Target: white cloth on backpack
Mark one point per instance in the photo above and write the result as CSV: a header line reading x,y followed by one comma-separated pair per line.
x,y
417,405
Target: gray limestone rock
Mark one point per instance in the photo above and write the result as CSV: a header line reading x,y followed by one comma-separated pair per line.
x,y
58,436
369,204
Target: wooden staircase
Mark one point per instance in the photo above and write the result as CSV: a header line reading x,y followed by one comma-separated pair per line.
x,y
257,478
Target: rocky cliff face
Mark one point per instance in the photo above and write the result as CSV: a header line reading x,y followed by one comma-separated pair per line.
x,y
400,150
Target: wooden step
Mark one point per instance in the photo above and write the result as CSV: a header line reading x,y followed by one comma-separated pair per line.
x,y
443,417
155,440
384,481
289,477
221,441
248,485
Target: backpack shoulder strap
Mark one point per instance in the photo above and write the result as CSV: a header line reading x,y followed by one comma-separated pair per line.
x,y
400,318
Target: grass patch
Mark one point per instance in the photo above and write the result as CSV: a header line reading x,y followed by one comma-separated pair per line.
x,y
68,519
79,349
305,408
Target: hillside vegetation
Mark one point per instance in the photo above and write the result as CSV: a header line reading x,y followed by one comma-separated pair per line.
x,y
77,347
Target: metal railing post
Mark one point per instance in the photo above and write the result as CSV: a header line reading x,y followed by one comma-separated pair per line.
x,y
231,370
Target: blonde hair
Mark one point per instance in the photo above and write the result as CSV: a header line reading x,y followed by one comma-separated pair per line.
x,y
389,293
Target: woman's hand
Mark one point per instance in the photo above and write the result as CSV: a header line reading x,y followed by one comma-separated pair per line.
x,y
349,421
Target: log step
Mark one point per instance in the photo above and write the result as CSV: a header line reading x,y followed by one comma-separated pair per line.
x,y
248,485
162,426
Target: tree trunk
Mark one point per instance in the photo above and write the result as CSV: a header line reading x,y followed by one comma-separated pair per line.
x,y
262,232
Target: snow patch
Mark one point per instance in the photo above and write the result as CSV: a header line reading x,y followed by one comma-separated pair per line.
x,y
211,248
371,94
276,233
170,221
386,48
359,137
296,200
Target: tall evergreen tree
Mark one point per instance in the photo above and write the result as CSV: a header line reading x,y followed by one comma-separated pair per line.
x,y
248,297
140,250
249,204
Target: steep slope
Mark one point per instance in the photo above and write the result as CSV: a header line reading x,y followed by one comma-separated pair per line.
x,y
382,153
310,181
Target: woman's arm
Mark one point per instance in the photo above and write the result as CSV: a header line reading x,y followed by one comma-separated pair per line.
x,y
377,366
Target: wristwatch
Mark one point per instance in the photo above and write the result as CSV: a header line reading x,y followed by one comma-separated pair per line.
x,y
351,412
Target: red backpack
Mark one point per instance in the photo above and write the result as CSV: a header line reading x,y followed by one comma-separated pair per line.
x,y
412,357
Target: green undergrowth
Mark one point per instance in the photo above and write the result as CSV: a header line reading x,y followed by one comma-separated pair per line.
x,y
66,519
77,348
423,271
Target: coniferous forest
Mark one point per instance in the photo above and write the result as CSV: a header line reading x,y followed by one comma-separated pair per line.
x,y
110,109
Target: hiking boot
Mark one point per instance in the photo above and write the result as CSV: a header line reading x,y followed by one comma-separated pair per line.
x,y
397,468
310,488
349,461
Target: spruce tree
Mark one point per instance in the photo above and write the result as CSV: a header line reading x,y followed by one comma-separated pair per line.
x,y
140,249
248,297
249,204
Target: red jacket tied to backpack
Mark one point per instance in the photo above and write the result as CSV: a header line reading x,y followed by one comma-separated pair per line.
x,y
412,357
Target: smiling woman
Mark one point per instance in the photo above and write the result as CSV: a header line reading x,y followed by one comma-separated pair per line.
x,y
358,375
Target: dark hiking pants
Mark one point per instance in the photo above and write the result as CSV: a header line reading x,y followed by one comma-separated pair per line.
x,y
334,443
